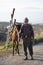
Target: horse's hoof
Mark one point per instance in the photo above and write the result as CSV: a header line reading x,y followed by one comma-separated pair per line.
x,y
18,53
13,54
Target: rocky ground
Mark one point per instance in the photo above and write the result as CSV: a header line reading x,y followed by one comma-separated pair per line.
x,y
9,59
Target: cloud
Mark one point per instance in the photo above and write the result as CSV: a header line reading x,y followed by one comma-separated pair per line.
x,y
30,8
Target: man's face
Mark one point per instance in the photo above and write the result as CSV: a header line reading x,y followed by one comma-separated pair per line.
x,y
26,20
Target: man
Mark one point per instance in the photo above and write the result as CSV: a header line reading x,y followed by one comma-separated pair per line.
x,y
28,37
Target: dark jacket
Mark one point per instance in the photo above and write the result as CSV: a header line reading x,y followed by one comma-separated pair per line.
x,y
27,29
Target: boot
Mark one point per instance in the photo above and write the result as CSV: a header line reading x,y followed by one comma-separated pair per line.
x,y
26,58
31,57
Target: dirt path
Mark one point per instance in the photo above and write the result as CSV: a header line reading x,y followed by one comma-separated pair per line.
x,y
19,60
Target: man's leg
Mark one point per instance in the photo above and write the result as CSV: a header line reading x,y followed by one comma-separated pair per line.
x,y
30,47
25,48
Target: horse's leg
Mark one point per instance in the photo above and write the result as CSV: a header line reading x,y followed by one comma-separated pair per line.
x,y
13,48
17,46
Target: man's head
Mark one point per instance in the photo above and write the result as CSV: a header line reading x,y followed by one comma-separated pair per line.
x,y
26,20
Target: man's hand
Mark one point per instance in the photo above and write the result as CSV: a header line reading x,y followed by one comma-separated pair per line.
x,y
32,40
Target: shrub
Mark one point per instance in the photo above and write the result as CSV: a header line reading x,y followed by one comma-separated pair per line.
x,y
38,40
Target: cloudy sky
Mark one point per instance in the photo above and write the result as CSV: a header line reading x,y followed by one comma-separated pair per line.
x,y
33,9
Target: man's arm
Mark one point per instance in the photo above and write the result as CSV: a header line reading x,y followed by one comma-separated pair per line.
x,y
32,32
21,31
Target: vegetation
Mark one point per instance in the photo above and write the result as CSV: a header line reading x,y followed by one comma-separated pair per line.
x,y
38,40
3,48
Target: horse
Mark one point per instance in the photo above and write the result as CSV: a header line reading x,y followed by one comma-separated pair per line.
x,y
15,39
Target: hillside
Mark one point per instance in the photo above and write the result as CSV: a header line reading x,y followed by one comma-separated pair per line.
x,y
38,30
4,24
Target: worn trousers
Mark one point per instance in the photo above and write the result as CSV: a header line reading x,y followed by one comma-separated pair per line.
x,y
27,43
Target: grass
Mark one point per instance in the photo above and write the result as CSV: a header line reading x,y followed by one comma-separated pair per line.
x,y
4,50
9,48
1,47
38,40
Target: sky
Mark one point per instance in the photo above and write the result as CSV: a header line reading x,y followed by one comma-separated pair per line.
x,y
33,9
